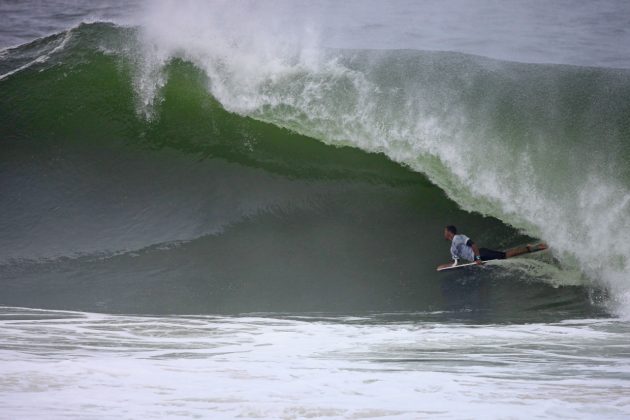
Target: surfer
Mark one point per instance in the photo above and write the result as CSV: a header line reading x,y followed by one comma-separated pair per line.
x,y
462,247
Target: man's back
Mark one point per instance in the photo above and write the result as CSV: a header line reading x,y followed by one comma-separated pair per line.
x,y
460,248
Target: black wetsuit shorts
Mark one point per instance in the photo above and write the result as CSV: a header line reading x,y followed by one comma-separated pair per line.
x,y
490,254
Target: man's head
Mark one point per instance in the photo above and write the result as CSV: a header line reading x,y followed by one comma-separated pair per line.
x,y
449,232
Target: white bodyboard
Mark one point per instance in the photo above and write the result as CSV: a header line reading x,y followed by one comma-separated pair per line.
x,y
454,267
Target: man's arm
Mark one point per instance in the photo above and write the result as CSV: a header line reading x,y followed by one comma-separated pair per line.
x,y
475,249
454,255
477,255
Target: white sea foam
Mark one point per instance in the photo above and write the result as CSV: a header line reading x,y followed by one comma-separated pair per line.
x,y
228,367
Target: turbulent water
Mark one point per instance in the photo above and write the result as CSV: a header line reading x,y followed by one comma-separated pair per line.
x,y
264,187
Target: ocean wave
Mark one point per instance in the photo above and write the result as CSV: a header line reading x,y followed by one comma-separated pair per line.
x,y
542,148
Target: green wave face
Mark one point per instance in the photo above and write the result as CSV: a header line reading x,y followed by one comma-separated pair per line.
x,y
154,180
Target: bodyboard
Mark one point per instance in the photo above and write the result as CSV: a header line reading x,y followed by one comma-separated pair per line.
x,y
452,267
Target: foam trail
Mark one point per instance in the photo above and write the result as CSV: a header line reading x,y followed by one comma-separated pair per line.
x,y
42,58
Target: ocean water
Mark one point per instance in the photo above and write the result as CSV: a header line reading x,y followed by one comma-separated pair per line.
x,y
235,209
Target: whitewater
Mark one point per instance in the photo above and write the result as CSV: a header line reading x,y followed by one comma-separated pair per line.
x,y
234,209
